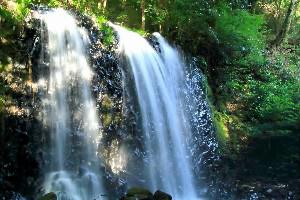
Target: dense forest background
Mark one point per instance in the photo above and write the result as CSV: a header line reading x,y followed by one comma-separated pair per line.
x,y
249,51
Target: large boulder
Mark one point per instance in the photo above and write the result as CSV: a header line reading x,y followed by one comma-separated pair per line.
x,y
137,193
49,196
159,195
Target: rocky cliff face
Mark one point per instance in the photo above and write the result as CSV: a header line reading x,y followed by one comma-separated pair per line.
x,y
20,126
24,136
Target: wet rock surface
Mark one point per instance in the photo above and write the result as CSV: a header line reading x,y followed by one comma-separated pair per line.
x,y
20,123
106,88
49,196
137,193
159,195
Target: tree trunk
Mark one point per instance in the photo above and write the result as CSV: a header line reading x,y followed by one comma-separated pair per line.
x,y
69,3
285,25
104,3
143,14
161,5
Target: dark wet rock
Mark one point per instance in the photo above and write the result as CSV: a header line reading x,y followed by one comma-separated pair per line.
x,y
137,193
106,88
10,195
159,195
153,42
20,128
49,196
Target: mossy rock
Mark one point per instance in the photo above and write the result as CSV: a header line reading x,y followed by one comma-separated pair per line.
x,y
106,103
137,193
107,119
159,195
49,196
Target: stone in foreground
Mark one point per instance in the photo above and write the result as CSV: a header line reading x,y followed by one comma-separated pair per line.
x,y
159,195
137,193
49,196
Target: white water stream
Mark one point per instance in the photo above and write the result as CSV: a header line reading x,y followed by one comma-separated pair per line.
x,y
73,171
158,80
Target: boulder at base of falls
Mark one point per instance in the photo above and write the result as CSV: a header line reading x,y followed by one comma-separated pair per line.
x,y
159,195
137,193
49,196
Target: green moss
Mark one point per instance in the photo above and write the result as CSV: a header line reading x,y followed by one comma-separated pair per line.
x,y
117,118
106,108
49,196
219,119
222,132
138,193
106,103
106,119
109,115
107,31
109,36
101,20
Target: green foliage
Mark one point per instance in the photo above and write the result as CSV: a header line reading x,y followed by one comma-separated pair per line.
x,y
54,3
8,22
267,96
17,11
107,31
279,101
10,29
108,34
222,132
276,98
155,14
189,23
241,32
101,20
275,12
22,9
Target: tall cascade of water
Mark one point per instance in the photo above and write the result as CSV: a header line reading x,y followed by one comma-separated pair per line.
x,y
159,79
73,170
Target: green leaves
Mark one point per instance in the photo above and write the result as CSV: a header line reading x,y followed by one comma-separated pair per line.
x,y
108,34
22,9
241,31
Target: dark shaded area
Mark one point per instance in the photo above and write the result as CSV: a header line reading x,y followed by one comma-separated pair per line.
x,y
265,170
20,127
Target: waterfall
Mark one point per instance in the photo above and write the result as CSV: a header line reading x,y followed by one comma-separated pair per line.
x,y
159,80
73,170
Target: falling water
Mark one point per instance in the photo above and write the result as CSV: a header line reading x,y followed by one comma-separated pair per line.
x,y
73,171
158,80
